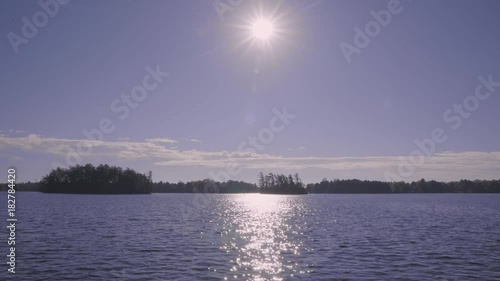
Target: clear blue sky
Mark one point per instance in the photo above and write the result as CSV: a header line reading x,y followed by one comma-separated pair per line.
x,y
353,119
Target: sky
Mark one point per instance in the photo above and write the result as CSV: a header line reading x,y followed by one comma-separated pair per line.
x,y
378,90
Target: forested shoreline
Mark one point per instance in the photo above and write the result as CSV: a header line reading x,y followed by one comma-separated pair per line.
x,y
351,186
281,184
102,179
105,179
421,186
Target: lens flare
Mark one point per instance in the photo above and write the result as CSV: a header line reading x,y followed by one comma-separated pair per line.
x,y
262,29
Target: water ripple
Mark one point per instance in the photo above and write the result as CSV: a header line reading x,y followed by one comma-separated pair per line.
x,y
257,237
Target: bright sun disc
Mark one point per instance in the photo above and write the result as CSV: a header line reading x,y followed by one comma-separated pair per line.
x,y
262,29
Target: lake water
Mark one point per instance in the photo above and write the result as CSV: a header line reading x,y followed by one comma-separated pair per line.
x,y
255,237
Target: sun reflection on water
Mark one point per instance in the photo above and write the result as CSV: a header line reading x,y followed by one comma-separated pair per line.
x,y
262,234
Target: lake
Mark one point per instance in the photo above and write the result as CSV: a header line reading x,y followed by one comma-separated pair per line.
x,y
255,237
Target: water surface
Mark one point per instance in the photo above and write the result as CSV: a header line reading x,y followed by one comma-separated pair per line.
x,y
256,237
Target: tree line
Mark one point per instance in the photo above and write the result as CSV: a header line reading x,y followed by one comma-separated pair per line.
x,y
205,186
23,186
421,186
280,183
102,179
113,180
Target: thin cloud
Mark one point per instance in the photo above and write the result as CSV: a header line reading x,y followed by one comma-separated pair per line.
x,y
161,140
440,166
193,140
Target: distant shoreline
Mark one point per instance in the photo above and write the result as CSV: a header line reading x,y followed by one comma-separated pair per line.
x,y
309,193
207,186
284,192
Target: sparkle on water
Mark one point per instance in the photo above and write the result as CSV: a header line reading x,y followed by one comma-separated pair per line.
x,y
265,247
259,237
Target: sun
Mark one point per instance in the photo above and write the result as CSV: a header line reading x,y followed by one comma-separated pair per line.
x,y
262,29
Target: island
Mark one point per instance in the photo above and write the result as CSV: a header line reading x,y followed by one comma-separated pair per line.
x,y
102,179
281,184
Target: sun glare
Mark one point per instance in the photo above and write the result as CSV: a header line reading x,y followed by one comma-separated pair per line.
x,y
262,29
